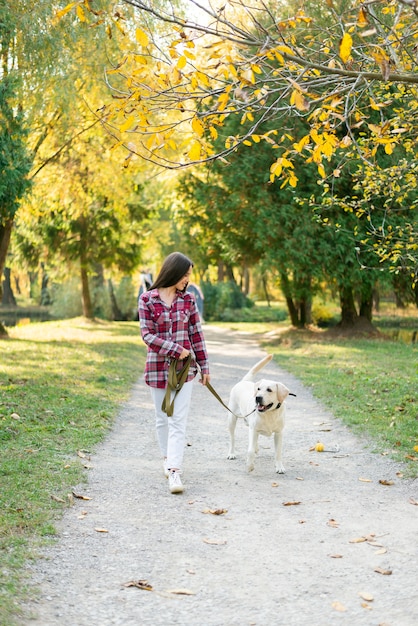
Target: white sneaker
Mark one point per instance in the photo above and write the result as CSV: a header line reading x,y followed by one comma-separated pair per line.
x,y
174,482
166,470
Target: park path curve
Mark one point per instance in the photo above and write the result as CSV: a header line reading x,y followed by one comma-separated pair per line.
x,y
265,562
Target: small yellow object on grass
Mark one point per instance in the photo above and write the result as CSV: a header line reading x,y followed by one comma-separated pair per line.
x,y
319,447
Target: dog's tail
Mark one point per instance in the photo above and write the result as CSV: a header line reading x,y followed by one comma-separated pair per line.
x,y
257,367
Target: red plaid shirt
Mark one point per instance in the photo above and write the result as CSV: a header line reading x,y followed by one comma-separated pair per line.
x,y
166,331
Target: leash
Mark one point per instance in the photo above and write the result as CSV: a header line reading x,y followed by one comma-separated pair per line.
x,y
175,382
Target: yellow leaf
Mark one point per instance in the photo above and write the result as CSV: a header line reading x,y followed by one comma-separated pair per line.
x,y
321,170
65,10
194,152
213,132
80,14
141,37
223,101
256,139
127,124
345,47
181,63
299,100
362,18
276,167
189,54
247,143
198,127
293,180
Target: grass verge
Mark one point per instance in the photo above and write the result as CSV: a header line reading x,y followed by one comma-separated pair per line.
x,y
369,383
61,385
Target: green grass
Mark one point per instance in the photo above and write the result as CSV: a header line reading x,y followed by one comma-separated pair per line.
x,y
369,383
61,385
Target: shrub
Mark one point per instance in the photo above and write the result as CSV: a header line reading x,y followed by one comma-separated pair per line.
x,y
222,296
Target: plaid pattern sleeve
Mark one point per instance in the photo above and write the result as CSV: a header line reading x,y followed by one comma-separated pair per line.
x,y
166,331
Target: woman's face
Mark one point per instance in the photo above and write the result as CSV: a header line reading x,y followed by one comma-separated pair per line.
x,y
183,282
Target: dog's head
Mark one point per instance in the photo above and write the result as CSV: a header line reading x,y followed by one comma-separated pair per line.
x,y
269,395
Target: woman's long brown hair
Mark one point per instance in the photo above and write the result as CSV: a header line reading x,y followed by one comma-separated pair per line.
x,y
174,267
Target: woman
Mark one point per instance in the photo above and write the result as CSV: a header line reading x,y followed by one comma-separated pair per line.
x,y
171,328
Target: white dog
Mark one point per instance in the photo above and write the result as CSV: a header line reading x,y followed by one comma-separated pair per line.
x,y
262,405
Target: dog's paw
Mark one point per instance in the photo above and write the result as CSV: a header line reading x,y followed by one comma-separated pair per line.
x,y
280,469
231,456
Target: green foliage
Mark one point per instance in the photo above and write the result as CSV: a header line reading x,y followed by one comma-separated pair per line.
x,y
222,296
255,314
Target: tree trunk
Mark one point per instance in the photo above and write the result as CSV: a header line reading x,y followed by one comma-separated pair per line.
x,y
349,314
8,298
266,293
291,307
85,294
5,233
366,302
116,312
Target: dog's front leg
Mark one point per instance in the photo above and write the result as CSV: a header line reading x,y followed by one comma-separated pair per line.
x,y
278,445
232,422
252,448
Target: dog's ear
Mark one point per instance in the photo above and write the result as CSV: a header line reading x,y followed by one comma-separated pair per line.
x,y
282,392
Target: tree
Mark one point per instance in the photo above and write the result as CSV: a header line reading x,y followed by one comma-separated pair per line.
x,y
15,161
82,212
335,65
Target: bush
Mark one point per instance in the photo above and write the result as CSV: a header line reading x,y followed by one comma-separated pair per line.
x,y
323,315
255,314
222,296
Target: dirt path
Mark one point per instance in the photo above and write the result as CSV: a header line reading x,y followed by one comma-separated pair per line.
x,y
266,562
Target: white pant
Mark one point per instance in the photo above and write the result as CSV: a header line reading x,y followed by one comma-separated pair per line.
x,y
171,431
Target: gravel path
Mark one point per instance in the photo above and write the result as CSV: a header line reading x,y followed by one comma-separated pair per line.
x,y
295,549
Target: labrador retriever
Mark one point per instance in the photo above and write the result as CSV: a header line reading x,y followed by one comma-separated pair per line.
x,y
262,406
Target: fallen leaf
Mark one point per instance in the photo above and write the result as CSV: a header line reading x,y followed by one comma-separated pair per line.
x,y
15,416
80,496
411,458
413,501
336,556
386,482
101,530
190,571
57,499
382,551
365,480
333,523
385,572
299,478
215,542
215,511
139,584
291,503
364,605
338,606
358,540
366,596
181,592
274,484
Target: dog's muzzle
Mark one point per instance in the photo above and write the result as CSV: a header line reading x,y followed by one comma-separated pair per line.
x,y
261,408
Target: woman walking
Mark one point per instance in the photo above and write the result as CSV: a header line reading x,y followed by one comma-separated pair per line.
x,y
171,328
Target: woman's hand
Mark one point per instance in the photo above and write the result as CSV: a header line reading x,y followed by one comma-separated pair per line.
x,y
184,354
205,379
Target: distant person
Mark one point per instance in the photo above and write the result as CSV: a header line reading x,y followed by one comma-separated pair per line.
x,y
171,328
198,296
145,282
